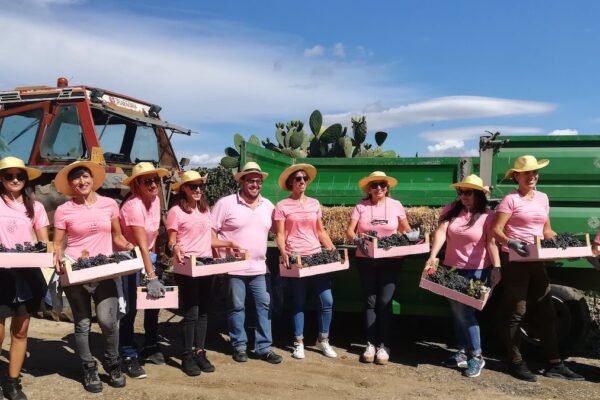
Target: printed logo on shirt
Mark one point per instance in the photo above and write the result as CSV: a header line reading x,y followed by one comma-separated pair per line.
x,y
12,226
93,227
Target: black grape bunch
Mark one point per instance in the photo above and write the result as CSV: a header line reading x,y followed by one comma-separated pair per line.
x,y
395,240
452,280
27,247
101,259
211,261
561,241
324,257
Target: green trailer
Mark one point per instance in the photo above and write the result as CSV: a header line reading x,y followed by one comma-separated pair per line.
x,y
571,181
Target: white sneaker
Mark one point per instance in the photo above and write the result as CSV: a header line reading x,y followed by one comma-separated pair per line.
x,y
326,348
382,356
298,351
369,355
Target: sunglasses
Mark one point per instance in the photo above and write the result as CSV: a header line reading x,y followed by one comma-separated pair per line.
x,y
21,176
467,192
301,178
196,186
149,181
375,185
256,181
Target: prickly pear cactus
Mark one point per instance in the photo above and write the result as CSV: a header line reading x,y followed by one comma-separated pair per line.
x,y
237,141
359,127
254,140
230,162
316,122
296,139
380,138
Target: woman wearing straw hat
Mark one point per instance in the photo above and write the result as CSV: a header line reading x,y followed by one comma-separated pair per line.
x,y
522,215
190,233
465,227
21,290
300,231
377,211
139,216
91,224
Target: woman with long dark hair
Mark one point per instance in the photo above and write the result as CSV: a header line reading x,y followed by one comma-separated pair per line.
x,y
189,233
378,212
90,223
465,227
21,290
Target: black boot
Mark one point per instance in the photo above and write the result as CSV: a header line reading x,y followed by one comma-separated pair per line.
x,y
203,362
91,380
116,377
189,365
12,389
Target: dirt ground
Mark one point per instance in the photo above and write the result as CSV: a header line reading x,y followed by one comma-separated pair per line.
x,y
52,370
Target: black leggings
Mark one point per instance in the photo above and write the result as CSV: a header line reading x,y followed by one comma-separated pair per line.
x,y
194,302
378,283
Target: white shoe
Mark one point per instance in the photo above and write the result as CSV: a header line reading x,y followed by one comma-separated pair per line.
x,y
326,348
369,355
382,356
298,351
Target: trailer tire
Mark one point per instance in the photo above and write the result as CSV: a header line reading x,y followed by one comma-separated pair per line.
x,y
572,321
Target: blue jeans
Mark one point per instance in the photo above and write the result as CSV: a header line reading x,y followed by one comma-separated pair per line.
x,y
466,326
126,324
321,284
236,312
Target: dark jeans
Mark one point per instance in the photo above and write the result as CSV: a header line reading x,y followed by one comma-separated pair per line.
x,y
194,302
378,283
126,324
527,289
107,309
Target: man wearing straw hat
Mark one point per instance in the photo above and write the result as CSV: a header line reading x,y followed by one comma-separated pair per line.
x,y
245,218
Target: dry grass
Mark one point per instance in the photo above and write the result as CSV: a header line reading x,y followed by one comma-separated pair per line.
x,y
336,220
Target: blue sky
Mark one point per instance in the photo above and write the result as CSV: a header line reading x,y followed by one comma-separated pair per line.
x,y
433,74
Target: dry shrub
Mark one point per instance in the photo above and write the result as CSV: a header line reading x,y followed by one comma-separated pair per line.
x,y
335,220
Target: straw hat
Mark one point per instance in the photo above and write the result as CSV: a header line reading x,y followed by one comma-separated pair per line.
x,y
471,182
250,168
292,169
62,181
526,163
14,162
190,176
144,168
376,176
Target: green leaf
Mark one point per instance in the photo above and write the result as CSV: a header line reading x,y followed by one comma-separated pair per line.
x,y
231,152
315,122
380,137
230,162
237,141
331,134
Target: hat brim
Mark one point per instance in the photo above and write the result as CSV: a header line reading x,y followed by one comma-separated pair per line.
x,y
61,182
364,183
469,186
32,173
177,185
540,164
241,174
161,172
310,170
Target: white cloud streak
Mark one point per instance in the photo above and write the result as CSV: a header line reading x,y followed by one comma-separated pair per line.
x,y
563,132
451,147
338,50
205,160
446,109
314,51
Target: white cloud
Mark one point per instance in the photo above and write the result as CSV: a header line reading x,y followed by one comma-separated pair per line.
x,y
205,160
338,50
314,51
563,132
451,147
446,109
473,132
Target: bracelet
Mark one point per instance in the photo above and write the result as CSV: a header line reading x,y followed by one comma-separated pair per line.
x,y
152,279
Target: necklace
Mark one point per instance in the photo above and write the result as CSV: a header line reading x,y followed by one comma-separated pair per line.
x,y
383,221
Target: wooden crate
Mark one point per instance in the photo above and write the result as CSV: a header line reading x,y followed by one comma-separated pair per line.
x,y
537,253
69,277
28,260
453,294
399,251
298,271
170,300
190,268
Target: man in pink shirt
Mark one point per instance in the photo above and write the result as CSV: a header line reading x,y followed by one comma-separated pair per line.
x,y
245,218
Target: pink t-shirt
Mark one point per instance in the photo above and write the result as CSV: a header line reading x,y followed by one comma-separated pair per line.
x,y
300,224
16,227
233,219
87,227
193,231
527,216
365,212
135,213
466,246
